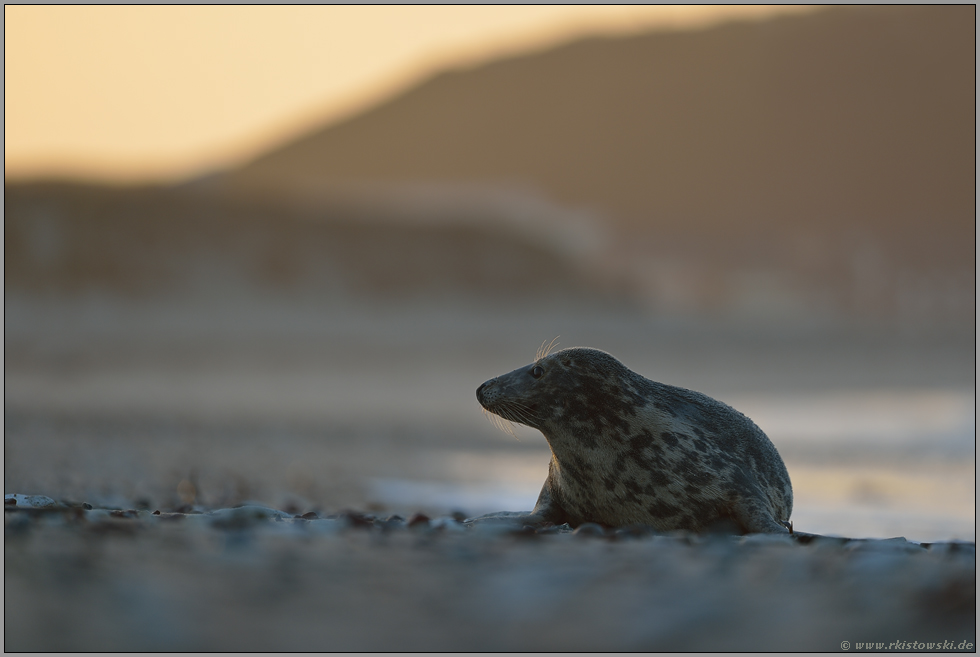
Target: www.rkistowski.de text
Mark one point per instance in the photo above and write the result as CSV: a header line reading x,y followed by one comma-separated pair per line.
x,y
908,645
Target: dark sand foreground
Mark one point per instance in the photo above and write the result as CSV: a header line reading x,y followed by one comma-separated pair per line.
x,y
257,579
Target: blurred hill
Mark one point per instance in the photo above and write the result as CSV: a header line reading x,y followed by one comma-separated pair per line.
x,y
798,168
846,115
818,163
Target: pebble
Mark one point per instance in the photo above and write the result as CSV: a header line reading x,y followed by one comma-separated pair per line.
x,y
359,520
418,519
29,501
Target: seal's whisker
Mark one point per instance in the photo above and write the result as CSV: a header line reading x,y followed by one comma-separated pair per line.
x,y
528,421
494,420
523,407
523,413
545,349
524,419
506,412
528,416
499,422
508,427
512,408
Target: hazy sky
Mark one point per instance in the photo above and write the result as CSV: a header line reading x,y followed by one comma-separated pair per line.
x,y
166,92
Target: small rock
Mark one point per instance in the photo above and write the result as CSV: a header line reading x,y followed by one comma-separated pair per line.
x,y
418,519
249,512
29,501
356,519
170,516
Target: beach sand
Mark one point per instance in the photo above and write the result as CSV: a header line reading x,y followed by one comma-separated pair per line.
x,y
140,408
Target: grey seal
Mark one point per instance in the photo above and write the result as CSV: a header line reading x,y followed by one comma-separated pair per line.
x,y
627,450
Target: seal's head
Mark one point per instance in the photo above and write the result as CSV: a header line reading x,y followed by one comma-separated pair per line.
x,y
578,386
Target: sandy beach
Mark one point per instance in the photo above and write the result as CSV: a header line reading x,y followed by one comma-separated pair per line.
x,y
241,580
361,427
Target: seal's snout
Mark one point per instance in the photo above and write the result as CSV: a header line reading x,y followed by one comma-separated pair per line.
x,y
481,393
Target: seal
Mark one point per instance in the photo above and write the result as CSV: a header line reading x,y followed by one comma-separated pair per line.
x,y
626,450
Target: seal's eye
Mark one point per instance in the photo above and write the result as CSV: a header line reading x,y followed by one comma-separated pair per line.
x,y
537,371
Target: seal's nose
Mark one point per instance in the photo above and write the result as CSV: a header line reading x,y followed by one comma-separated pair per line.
x,y
485,392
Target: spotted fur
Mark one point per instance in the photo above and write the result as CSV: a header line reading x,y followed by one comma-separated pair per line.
x,y
627,450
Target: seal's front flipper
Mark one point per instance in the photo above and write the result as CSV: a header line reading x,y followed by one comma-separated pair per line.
x,y
547,509
516,518
757,519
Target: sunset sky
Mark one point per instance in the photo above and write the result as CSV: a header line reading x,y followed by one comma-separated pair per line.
x,y
164,93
